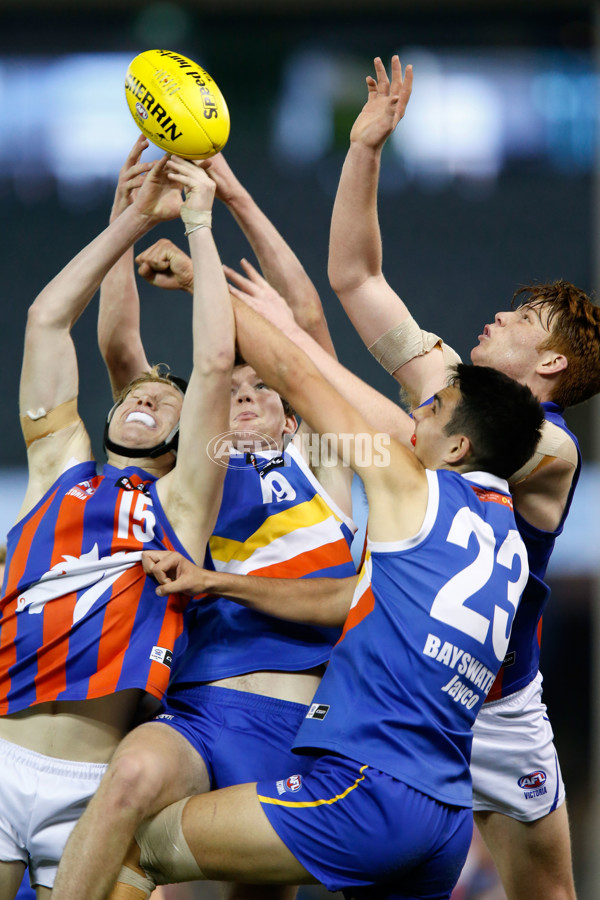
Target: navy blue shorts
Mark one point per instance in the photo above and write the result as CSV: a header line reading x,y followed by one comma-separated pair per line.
x,y
359,830
241,737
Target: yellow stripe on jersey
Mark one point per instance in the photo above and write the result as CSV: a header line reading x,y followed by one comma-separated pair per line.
x,y
307,803
313,512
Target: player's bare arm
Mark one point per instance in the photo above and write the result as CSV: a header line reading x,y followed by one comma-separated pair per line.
x,y
397,492
278,262
355,251
49,377
119,314
312,601
381,413
191,492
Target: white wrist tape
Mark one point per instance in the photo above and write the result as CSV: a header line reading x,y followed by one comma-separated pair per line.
x,y
196,218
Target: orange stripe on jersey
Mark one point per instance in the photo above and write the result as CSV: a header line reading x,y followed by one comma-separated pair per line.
x,y
360,611
118,622
336,553
8,632
172,626
51,677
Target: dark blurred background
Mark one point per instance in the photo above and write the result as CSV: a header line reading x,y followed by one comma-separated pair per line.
x,y
490,184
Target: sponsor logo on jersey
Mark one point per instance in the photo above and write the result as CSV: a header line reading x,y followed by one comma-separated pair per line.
x,y
533,784
82,491
317,711
126,484
162,655
164,716
289,785
509,659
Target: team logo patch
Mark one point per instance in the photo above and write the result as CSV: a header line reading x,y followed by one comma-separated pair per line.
x,y
317,711
162,655
289,785
533,784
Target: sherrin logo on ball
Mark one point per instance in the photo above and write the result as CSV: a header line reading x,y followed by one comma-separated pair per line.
x,y
176,104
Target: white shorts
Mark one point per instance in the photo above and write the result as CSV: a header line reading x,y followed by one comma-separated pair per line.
x,y
41,799
514,764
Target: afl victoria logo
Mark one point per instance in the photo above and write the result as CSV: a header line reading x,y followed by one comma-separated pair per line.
x,y
141,110
532,781
293,783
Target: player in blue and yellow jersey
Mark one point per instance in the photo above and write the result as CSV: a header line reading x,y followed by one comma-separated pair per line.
x,y
83,641
379,802
550,341
240,692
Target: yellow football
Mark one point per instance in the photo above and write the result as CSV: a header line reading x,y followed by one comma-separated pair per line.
x,y
176,104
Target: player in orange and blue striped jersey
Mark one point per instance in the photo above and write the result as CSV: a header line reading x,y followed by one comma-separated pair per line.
x,y
83,643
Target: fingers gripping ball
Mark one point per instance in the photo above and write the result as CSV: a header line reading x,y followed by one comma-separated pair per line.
x,y
176,104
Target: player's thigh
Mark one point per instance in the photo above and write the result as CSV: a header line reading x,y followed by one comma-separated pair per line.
x,y
232,839
533,858
159,759
11,876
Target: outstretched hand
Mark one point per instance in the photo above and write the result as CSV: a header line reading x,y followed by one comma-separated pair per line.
x,y
386,104
131,177
198,188
166,266
227,184
158,198
174,573
255,291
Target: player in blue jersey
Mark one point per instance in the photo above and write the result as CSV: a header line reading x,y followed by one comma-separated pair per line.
x,y
379,803
551,342
82,641
239,694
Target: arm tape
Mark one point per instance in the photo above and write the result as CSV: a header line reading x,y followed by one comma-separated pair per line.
x,y
38,425
553,444
405,342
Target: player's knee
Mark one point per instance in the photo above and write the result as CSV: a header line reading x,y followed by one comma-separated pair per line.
x,y
134,782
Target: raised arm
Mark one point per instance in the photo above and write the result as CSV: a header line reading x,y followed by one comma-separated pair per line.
x,y
380,412
395,480
191,492
355,253
119,335
311,601
279,264
49,377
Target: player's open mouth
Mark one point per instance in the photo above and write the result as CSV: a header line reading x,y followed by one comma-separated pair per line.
x,y
144,418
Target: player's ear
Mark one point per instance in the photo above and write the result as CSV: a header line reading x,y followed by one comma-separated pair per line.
x,y
291,424
458,450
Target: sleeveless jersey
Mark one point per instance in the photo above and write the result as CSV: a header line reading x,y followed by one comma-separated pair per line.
x,y
275,520
523,655
423,640
78,618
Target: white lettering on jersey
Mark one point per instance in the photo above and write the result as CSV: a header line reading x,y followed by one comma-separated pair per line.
x,y
449,603
138,522
275,485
